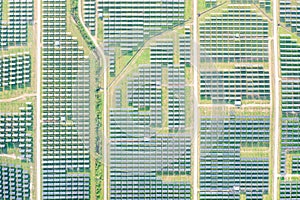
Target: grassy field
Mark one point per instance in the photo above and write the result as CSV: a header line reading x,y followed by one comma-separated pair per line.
x,y
256,101
164,94
188,107
254,152
188,9
285,31
288,163
14,151
7,160
176,178
205,101
99,31
5,5
144,58
267,197
227,110
243,197
6,94
14,50
120,63
222,66
201,5
15,106
176,52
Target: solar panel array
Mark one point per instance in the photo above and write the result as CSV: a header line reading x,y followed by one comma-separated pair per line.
x,y
265,4
127,24
245,81
118,98
224,173
145,163
15,71
289,14
65,108
15,132
289,190
162,53
176,97
234,141
14,182
112,63
14,32
89,15
185,48
144,91
210,3
20,10
296,164
139,157
236,34
289,58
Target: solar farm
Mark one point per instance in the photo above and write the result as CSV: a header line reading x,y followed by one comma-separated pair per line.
x,y
65,108
15,71
223,43
150,99
16,150
17,106
290,117
234,159
234,109
15,182
150,145
243,82
289,13
15,22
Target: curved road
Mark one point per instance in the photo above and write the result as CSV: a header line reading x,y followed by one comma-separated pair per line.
x,y
100,50
23,96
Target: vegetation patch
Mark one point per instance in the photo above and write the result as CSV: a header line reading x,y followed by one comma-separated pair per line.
x,y
5,5
254,152
243,197
99,179
164,93
188,9
288,163
176,178
8,160
14,107
100,31
80,26
99,107
267,197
